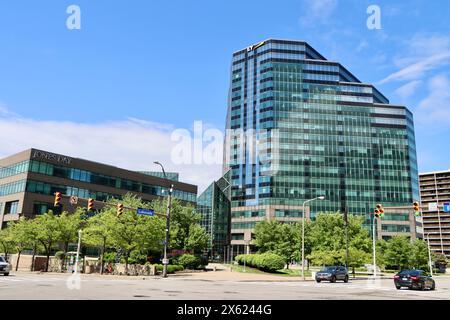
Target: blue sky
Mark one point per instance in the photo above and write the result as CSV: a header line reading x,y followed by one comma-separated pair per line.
x,y
145,68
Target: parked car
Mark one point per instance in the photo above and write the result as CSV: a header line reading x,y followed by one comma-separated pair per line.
x,y
5,266
414,279
332,274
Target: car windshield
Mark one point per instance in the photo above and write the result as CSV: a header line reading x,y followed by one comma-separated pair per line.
x,y
413,273
328,269
2,259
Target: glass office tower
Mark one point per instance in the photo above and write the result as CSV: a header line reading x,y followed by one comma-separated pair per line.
x,y
300,126
214,206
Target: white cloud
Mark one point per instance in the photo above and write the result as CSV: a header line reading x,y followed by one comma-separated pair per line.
x,y
435,108
408,89
131,144
423,53
317,10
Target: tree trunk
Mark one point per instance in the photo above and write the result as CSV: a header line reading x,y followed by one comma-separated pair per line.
x,y
18,258
48,260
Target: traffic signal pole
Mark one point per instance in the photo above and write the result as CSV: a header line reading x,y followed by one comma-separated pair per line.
x,y
374,248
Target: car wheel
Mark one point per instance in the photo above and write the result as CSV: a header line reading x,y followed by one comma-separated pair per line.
x,y
6,274
346,279
333,279
398,287
318,281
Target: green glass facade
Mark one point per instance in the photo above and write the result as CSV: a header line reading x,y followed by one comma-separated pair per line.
x,y
300,126
214,206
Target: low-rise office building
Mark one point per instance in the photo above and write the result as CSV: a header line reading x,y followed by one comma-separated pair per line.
x,y
29,180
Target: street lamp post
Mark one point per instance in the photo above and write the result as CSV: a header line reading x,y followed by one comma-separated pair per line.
x,y
303,233
78,251
429,255
169,204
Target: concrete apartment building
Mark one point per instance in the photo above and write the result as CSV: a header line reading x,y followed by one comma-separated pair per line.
x,y
434,193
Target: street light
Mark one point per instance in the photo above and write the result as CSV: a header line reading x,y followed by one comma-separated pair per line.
x,y
429,255
169,203
303,233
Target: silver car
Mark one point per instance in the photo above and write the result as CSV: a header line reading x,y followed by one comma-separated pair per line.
x,y
5,266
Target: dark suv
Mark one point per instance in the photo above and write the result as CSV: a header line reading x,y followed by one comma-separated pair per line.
x,y
414,279
332,274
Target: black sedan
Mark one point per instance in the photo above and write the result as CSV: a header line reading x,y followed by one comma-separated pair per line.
x,y
414,279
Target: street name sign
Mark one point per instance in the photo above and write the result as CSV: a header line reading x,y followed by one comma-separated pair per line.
x,y
446,207
145,212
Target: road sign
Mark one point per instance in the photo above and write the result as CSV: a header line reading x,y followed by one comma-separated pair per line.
x,y
165,261
446,207
433,206
73,200
145,212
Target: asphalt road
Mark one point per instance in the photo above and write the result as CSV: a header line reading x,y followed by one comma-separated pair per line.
x,y
26,286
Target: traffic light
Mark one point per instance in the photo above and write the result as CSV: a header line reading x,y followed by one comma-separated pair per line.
x,y
380,210
416,208
57,199
377,213
119,209
90,206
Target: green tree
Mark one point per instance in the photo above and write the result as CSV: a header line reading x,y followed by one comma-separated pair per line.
x,y
68,226
48,233
398,252
22,233
419,254
324,257
97,233
282,239
7,241
131,231
185,230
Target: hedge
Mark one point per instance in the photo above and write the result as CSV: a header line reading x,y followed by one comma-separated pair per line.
x,y
171,268
189,261
269,262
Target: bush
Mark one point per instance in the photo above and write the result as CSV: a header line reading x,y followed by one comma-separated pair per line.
x,y
110,257
189,261
171,268
137,258
269,262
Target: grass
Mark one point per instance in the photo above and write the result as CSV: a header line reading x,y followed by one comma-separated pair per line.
x,y
283,272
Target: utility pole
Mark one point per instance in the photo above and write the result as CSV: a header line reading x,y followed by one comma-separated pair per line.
x,y
429,255
346,237
374,249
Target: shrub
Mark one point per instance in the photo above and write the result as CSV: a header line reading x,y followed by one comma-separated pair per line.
x,y
189,261
269,262
110,257
172,268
